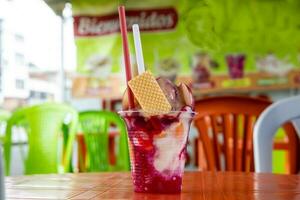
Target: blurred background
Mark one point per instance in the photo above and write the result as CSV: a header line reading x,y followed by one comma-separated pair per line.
x,y
70,50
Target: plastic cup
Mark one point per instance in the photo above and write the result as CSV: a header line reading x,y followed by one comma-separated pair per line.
x,y
157,147
236,65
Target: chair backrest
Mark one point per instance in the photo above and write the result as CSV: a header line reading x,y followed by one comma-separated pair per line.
x,y
270,120
2,187
43,124
4,115
95,126
225,126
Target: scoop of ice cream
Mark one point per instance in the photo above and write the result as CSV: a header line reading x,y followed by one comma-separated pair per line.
x,y
168,150
171,92
178,96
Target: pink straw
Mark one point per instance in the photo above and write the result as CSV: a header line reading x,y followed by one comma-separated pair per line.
x,y
123,28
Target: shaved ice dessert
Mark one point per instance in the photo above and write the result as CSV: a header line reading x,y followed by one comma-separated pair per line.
x,y
158,128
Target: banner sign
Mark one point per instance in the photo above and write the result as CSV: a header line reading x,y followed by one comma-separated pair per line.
x,y
212,46
148,20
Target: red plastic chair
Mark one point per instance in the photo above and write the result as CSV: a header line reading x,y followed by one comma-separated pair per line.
x,y
225,126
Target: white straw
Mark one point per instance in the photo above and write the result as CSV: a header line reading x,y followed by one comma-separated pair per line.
x,y
138,48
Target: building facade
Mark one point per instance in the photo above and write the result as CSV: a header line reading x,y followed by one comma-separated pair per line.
x,y
21,81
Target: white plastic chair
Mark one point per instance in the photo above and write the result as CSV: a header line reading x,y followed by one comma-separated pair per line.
x,y
266,126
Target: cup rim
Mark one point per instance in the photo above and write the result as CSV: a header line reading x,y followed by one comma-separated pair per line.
x,y
124,112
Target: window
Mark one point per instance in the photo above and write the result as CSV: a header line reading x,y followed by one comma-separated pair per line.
x,y
19,59
43,95
32,94
20,84
31,65
0,80
19,38
4,62
38,95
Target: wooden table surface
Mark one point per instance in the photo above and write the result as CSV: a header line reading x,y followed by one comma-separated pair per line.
x,y
196,185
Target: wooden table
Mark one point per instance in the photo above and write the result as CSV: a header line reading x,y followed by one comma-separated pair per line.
x,y
196,185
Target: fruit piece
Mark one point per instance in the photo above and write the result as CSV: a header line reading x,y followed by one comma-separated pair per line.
x,y
149,94
154,125
160,135
179,129
141,139
125,104
186,95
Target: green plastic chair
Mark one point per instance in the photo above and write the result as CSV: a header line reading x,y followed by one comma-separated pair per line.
x,y
95,126
4,116
43,124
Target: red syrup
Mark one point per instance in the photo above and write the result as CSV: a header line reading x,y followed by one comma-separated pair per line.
x,y
157,149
